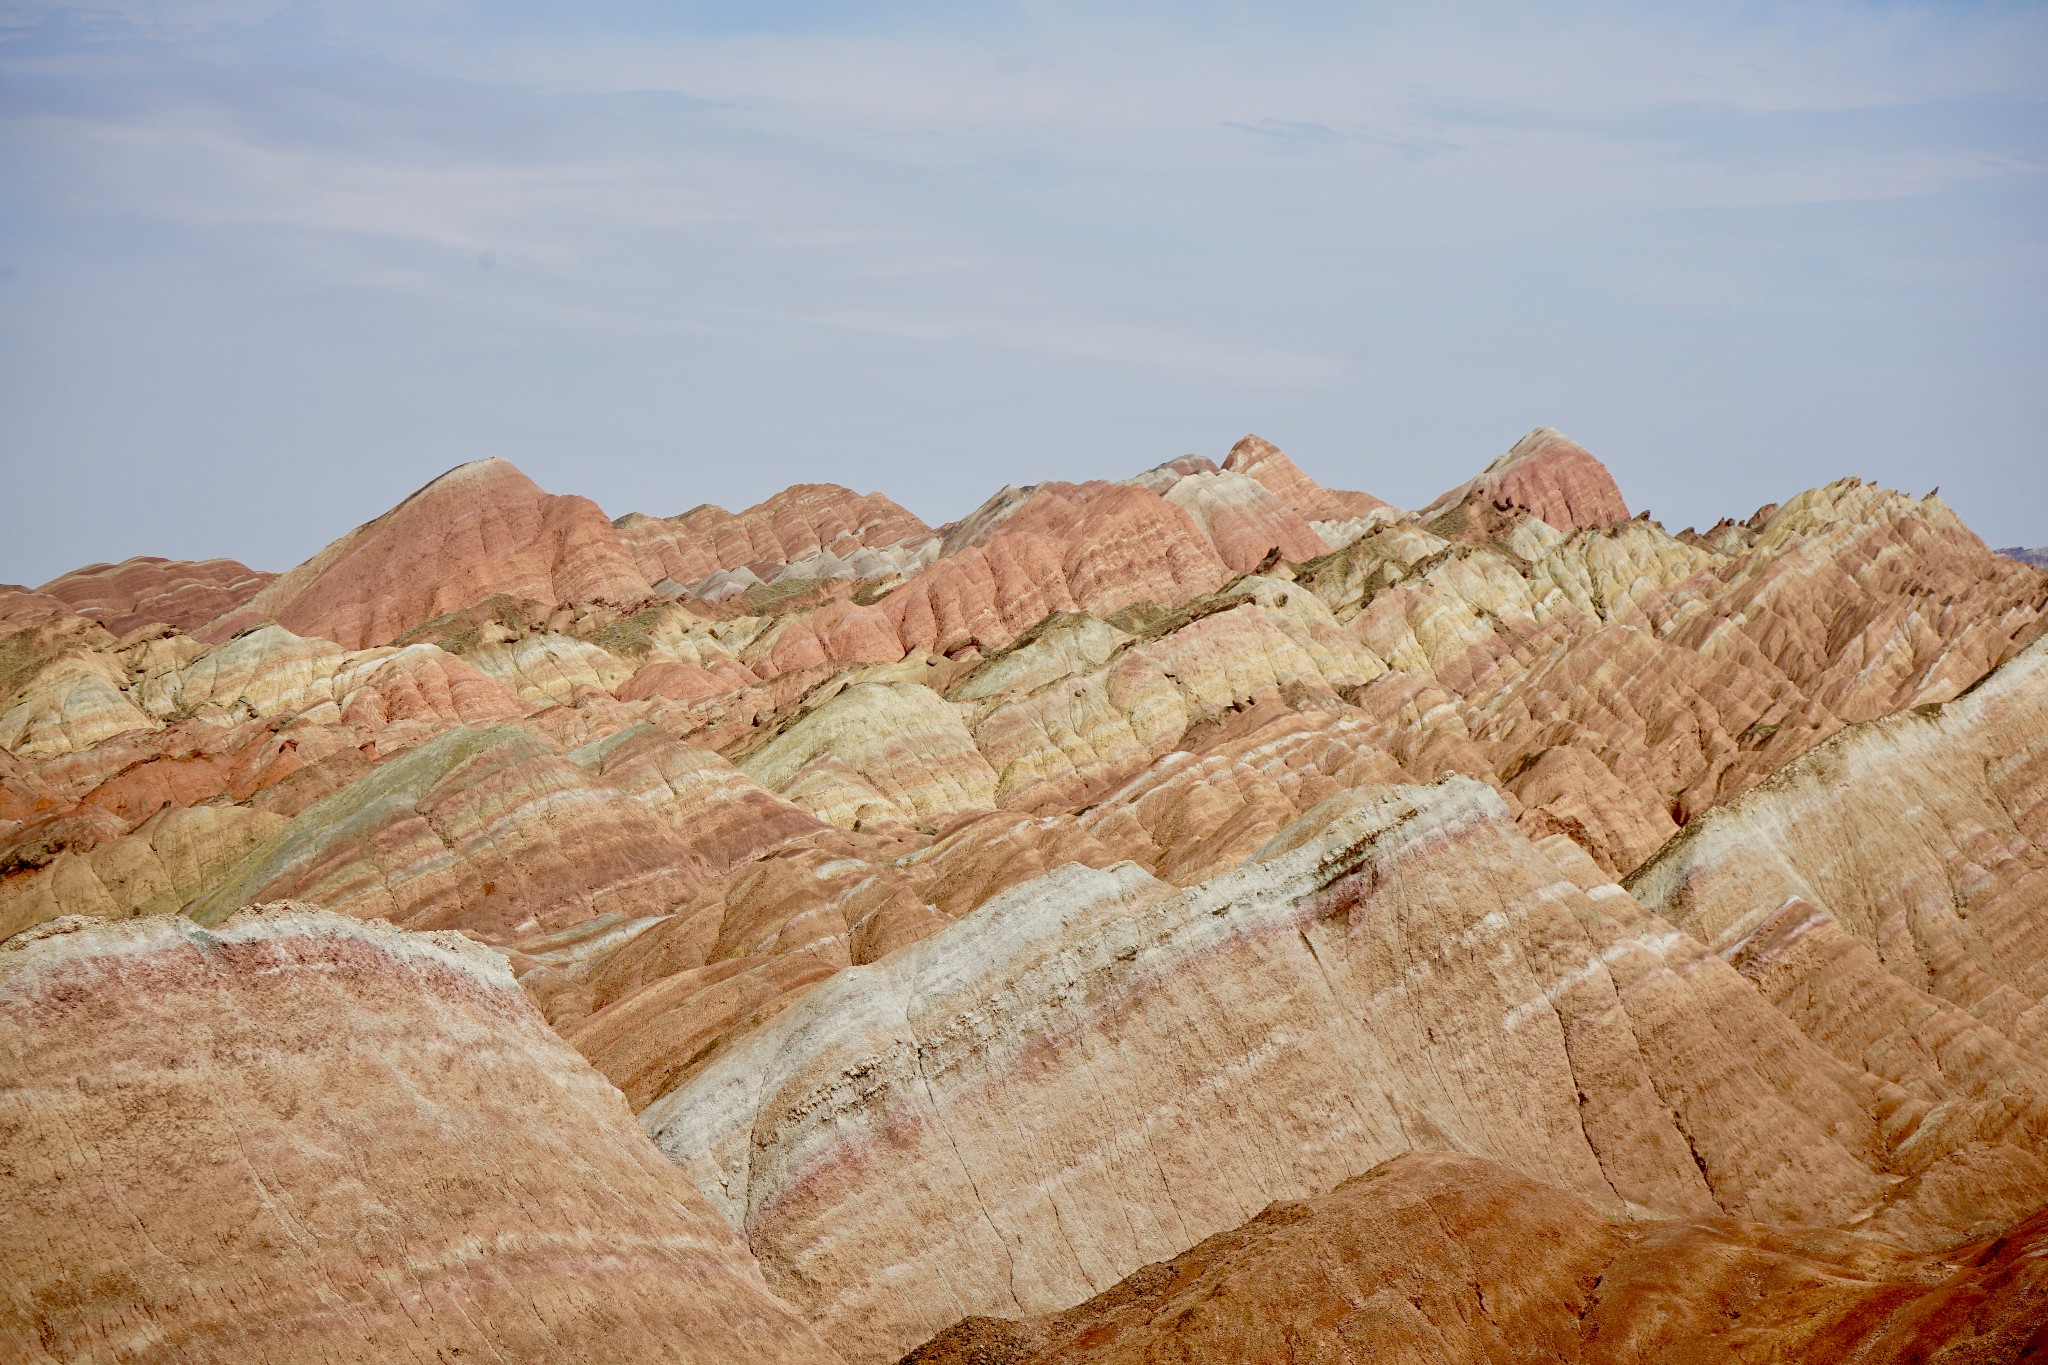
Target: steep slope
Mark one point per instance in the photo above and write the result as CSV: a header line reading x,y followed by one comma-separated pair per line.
x,y
1243,519
985,912
1923,834
1889,893
1094,1071
488,830
1611,684
478,530
1256,458
298,1137
1432,1256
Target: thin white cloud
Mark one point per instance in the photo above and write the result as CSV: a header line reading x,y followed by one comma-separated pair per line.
x,y
1178,215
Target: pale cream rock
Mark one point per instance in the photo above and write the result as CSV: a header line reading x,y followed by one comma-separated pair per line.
x,y
878,750
551,669
73,703
158,869
483,829
1093,1070
1924,835
1243,519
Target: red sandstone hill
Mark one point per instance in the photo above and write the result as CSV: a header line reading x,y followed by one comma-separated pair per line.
x,y
1435,1257
147,590
1548,474
481,530
1257,458
335,1141
1585,942
797,523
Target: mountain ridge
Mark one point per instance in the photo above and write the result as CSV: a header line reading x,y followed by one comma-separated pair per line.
x,y
978,914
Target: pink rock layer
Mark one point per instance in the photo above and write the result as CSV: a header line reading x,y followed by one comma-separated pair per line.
x,y
797,522
476,531
184,594
1257,458
1095,1070
1548,474
694,825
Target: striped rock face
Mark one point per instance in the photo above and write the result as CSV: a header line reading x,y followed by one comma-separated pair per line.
x,y
1095,1071
1261,460
149,591
1548,475
980,912
1889,893
298,1137
820,528
479,530
1432,1257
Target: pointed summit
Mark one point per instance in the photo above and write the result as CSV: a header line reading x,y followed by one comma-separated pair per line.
x,y
1259,459
481,529
1549,475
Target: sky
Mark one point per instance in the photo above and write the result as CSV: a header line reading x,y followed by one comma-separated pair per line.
x,y
265,268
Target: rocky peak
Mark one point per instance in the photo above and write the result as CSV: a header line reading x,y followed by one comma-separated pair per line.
x,y
1547,474
481,529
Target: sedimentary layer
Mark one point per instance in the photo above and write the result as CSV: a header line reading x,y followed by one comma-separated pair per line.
x,y
1432,1257
302,1137
480,529
981,912
1094,1071
151,591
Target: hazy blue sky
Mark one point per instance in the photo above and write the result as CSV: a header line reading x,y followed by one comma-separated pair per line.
x,y
265,268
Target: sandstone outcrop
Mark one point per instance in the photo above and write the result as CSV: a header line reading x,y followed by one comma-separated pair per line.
x,y
1433,1256
1094,1071
893,752
1257,458
490,830
1923,834
983,913
22,607
299,1137
481,529
1889,892
63,690
1243,519
147,591
1548,475
816,525
167,862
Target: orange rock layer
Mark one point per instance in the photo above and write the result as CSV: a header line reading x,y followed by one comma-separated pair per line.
x,y
1434,1257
